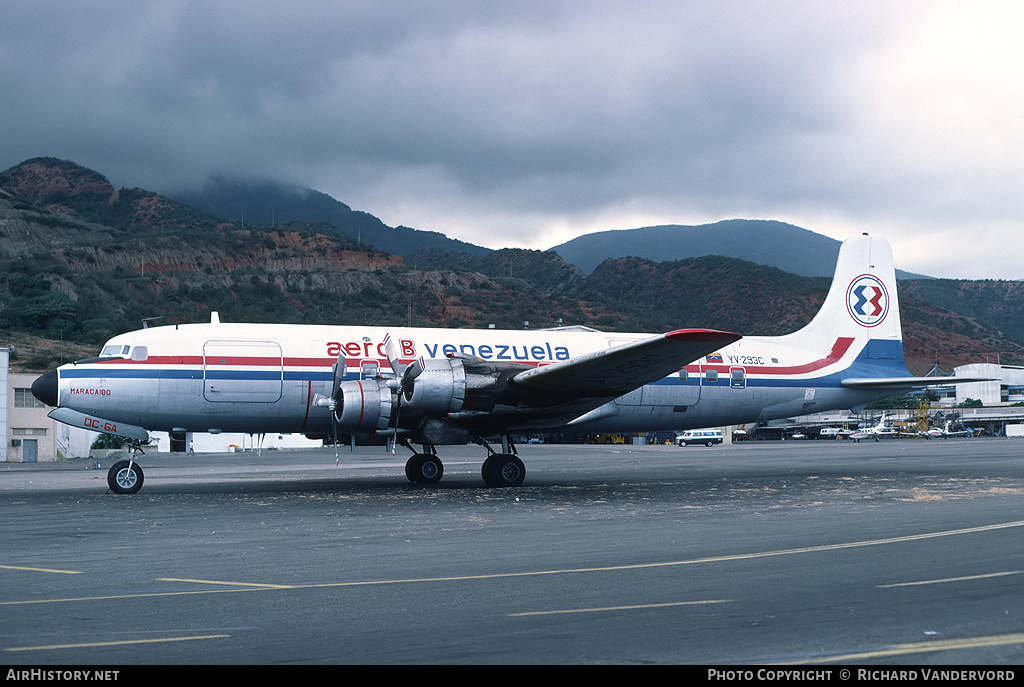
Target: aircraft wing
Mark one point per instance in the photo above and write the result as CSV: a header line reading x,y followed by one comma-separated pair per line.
x,y
618,370
897,383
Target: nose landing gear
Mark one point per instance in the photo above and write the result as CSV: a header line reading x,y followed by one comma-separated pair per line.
x,y
125,476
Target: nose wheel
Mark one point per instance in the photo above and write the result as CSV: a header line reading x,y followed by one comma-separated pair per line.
x,y
125,477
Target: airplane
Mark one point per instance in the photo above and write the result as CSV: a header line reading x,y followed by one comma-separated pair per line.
x,y
435,387
881,429
947,431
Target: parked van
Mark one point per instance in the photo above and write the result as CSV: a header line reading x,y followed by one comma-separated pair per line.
x,y
708,437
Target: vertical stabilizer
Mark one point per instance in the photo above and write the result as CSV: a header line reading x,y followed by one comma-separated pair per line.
x,y
861,304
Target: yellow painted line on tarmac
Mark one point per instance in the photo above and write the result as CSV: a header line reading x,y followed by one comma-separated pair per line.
x,y
951,579
253,587
622,608
90,645
115,597
695,561
925,647
46,570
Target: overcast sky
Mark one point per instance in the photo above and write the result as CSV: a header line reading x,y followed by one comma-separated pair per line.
x,y
529,123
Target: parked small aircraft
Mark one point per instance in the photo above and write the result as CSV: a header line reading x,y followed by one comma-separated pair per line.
x,y
948,431
435,387
881,430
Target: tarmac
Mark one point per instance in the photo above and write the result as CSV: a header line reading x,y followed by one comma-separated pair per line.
x,y
815,553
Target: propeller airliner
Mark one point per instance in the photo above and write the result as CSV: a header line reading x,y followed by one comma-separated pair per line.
x,y
437,387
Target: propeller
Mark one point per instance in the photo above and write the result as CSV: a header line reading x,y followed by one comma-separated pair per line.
x,y
404,376
338,370
391,351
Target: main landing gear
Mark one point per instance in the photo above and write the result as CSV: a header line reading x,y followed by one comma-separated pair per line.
x,y
499,469
503,470
424,468
125,476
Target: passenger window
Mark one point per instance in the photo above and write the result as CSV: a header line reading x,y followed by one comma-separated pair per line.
x,y
711,375
140,353
369,369
683,374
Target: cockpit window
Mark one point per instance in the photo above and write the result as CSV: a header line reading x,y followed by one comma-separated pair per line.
x,y
114,350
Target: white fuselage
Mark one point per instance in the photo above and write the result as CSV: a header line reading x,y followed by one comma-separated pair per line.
x,y
263,378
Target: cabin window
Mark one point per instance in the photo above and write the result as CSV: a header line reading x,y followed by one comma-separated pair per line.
x,y
370,369
683,374
140,353
711,375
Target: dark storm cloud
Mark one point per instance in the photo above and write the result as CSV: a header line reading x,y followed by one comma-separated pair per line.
x,y
488,121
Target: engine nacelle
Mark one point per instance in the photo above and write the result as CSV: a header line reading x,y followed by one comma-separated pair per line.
x,y
440,387
365,405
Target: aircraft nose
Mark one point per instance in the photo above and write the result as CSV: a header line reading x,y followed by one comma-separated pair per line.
x,y
45,388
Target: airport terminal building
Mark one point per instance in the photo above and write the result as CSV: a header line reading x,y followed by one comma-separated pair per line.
x,y
1007,385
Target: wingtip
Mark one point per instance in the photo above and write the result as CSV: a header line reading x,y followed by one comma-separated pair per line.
x,y
703,335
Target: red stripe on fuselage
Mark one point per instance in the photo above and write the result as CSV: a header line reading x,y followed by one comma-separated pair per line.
x,y
839,349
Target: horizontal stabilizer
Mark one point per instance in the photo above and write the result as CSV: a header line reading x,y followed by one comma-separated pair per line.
x,y
908,382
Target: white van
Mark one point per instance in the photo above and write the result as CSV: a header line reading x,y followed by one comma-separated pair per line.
x,y
708,437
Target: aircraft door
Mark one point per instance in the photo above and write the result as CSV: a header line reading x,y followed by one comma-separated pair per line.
x,y
242,371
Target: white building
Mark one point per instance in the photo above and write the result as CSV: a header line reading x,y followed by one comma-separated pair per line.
x,y
225,442
1007,385
27,433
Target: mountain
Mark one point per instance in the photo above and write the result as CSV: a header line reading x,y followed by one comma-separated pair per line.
x,y
270,203
995,303
81,261
540,269
766,242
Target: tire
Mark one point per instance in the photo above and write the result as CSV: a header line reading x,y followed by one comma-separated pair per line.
x,y
124,480
424,468
503,470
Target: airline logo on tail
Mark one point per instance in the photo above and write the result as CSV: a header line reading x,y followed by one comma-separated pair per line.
x,y
867,300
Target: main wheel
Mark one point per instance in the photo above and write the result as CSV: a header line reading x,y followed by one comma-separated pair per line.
x,y
125,477
424,468
503,470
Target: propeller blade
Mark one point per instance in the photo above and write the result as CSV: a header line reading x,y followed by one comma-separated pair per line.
x,y
414,370
334,431
338,369
391,351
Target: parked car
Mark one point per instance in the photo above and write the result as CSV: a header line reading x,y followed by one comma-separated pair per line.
x,y
708,437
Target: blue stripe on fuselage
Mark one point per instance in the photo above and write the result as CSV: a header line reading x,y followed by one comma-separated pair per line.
x,y
163,373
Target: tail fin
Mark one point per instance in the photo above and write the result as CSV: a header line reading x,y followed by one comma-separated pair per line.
x,y
861,305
